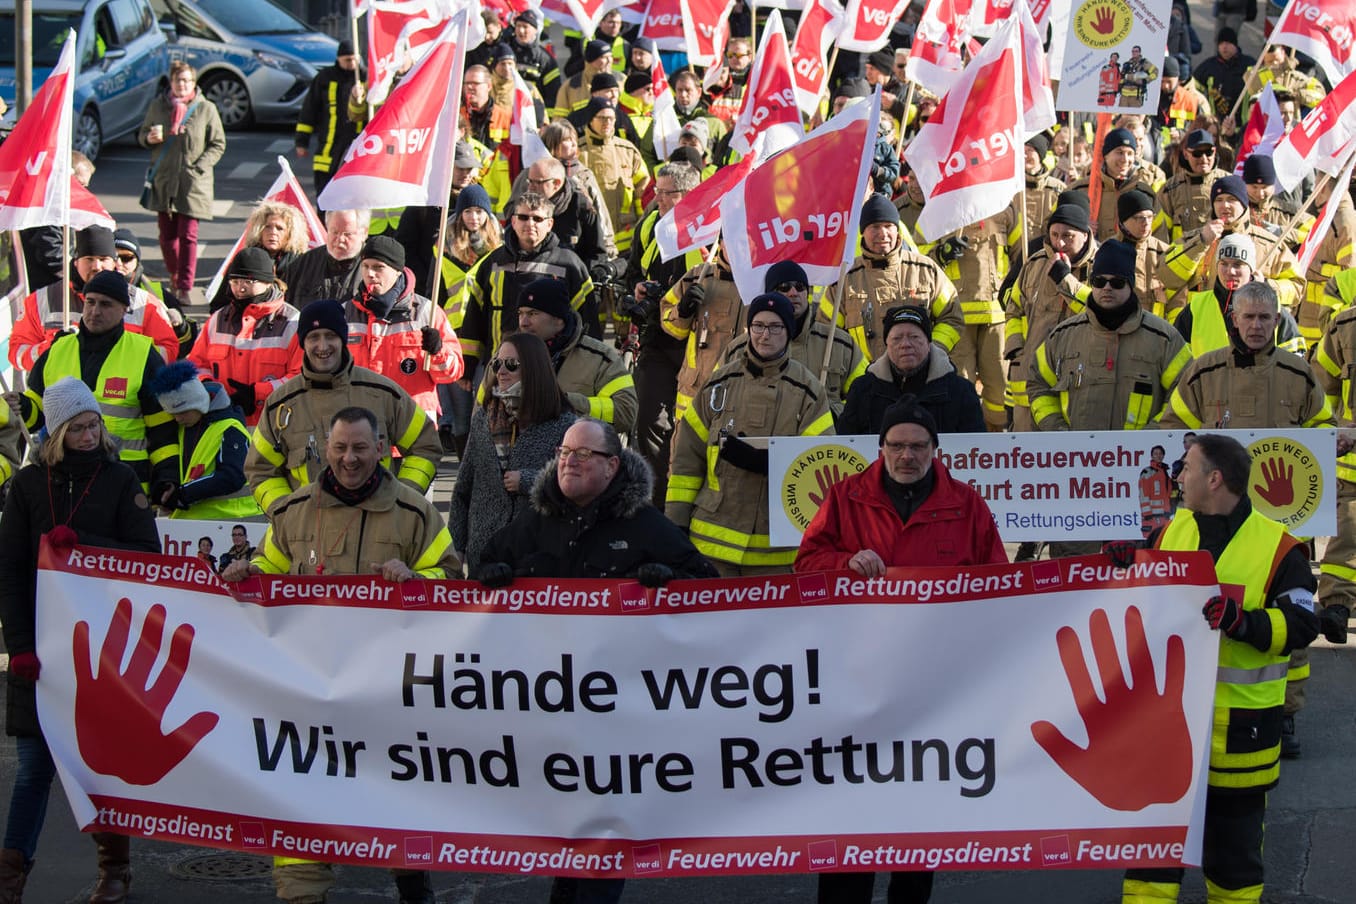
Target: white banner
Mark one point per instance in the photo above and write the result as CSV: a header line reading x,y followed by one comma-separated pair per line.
x,y
1069,485
596,728
1113,54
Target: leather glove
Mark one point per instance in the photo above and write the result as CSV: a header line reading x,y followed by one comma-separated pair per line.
x,y
654,574
495,575
1226,615
25,665
175,499
692,299
744,456
432,341
952,249
1333,622
242,394
1120,552
63,538
1059,269
160,489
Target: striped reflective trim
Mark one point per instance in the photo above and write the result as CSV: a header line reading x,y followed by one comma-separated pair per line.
x,y
126,412
427,563
1275,671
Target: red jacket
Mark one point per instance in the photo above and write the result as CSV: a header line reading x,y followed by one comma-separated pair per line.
x,y
953,526
41,319
256,344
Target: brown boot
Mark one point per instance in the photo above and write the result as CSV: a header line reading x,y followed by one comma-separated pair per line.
x,y
115,868
13,875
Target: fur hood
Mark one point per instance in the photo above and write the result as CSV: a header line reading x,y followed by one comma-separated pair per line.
x,y
629,492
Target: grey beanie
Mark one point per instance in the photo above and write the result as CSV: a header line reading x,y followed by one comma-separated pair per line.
x,y
65,399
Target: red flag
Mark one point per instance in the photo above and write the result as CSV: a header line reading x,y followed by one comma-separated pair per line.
x,y
663,24
404,155
720,40
1264,130
581,15
769,106
1322,29
1319,138
819,27
35,161
704,23
935,61
804,203
666,126
968,155
868,23
87,210
694,221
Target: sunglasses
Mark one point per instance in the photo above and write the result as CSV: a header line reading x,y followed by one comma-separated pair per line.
x,y
1201,152
508,364
792,287
530,218
1115,282
127,257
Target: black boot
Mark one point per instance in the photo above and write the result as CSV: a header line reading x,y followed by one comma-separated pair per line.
x,y
415,886
13,875
1290,744
115,868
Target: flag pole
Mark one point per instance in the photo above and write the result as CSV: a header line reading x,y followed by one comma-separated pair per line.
x,y
904,125
66,270
1238,101
833,321
1293,222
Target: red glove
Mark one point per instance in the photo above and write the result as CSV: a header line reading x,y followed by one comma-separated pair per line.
x,y
25,665
62,538
1120,552
1224,614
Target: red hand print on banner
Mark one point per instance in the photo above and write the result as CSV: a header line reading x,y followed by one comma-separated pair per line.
x,y
826,477
117,719
1104,23
1280,487
1139,747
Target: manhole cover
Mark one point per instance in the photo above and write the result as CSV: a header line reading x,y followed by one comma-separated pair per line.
x,y
222,867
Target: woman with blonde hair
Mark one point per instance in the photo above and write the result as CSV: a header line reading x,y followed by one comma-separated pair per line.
x,y
278,228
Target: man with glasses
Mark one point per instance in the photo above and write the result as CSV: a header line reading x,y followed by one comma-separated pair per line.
x,y
332,270
530,252
240,548
728,96
1184,202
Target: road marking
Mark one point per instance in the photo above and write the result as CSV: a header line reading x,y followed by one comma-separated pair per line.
x,y
282,146
246,171
220,209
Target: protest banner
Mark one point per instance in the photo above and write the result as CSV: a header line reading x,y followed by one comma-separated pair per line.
x,y
1322,29
1113,50
748,725
1075,485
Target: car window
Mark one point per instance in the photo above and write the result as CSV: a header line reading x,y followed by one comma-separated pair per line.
x,y
49,33
105,36
128,21
191,24
253,17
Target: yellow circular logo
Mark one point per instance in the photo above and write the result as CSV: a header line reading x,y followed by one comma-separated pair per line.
x,y
1286,481
1100,24
811,475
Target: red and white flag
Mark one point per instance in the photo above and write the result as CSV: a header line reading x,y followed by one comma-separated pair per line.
x,y
968,156
404,155
1309,248
663,24
1319,139
820,25
694,221
523,124
397,30
1038,101
1264,130
770,106
867,24
1322,29
35,160
87,210
706,29
803,204
665,111
580,15
286,190
988,14
935,62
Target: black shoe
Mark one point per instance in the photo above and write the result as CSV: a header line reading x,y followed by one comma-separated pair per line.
x,y
445,437
1027,552
1290,744
414,887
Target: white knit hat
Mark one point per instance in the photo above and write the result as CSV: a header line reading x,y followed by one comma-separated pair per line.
x,y
65,399
1239,247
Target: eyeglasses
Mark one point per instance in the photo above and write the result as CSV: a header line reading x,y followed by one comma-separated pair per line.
x,y
508,364
915,448
1115,282
772,329
792,287
546,181
530,218
80,428
736,55
127,257
1201,152
580,455
669,192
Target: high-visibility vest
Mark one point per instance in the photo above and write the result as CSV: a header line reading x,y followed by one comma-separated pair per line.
x,y
117,388
239,504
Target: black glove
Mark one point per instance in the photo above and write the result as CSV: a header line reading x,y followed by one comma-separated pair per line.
x,y
175,499
160,488
654,574
692,299
495,575
1060,269
432,341
242,394
1224,614
601,273
1120,552
952,249
1333,622
743,456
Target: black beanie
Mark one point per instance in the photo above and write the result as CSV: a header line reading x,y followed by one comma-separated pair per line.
x,y
595,49
1071,215
95,241
1171,68
1076,197
324,314
1230,185
879,209
110,283
1039,143
550,296
252,263
907,411
778,304
1119,138
1131,203
1259,169
908,313
603,81
1226,36
596,105
784,272
1115,258
853,87
385,249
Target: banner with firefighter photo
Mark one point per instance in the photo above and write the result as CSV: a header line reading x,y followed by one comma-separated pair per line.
x,y
1113,57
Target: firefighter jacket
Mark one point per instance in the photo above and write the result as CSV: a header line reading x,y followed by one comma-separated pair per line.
x,y
538,66
1336,253
1190,265
622,175
644,262
877,282
490,124
707,333
1042,193
1335,363
725,507
324,118
42,318
1035,306
1307,90
387,335
846,362
1149,254
1206,325
1184,204
1178,114
495,282
593,376
117,366
212,454
288,447
1148,179
253,342
728,97
1255,553
1232,388
1089,377
312,532
574,94
978,273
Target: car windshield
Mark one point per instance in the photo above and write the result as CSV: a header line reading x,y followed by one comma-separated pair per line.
x,y
253,17
49,33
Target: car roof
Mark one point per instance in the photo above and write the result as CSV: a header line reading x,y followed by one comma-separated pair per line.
x,y
65,6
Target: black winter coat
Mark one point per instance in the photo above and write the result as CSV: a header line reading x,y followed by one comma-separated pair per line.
x,y
949,398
